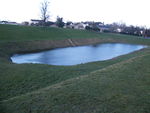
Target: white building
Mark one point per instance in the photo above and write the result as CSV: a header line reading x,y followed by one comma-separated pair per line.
x,y
34,21
10,23
79,26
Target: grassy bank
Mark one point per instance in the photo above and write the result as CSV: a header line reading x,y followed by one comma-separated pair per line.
x,y
119,88
26,33
22,33
119,85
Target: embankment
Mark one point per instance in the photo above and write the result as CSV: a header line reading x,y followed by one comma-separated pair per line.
x,y
9,48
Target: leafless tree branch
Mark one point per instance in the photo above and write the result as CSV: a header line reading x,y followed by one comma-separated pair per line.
x,y
44,11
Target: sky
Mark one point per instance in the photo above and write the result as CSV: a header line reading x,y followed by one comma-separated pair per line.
x,y
131,12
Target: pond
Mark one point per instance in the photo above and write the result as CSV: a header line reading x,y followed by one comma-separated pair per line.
x,y
77,55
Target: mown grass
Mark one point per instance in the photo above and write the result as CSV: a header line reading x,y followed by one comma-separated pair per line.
x,y
121,88
119,85
25,33
22,33
23,78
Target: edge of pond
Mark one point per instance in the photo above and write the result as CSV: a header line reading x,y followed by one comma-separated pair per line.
x,y
11,48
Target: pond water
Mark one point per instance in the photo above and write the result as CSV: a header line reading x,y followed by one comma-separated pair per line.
x,y
77,55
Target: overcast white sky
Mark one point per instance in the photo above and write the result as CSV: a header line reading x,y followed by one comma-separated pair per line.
x,y
135,12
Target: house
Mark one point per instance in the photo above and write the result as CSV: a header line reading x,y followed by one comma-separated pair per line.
x,y
13,23
146,33
69,25
25,23
79,26
4,22
10,23
35,22
95,26
118,30
103,28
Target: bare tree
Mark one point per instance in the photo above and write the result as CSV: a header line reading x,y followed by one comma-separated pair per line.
x,y
44,11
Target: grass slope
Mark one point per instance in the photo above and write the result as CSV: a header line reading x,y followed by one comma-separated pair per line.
x,y
23,78
119,85
22,33
119,88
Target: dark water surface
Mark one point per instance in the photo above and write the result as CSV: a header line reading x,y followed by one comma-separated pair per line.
x,y
77,55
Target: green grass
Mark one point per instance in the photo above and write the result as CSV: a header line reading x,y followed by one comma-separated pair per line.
x,y
25,33
21,33
121,88
29,77
119,85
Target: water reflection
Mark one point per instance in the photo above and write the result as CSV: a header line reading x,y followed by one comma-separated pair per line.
x,y
77,55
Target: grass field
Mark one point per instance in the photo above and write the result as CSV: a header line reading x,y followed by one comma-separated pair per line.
x,y
119,85
25,33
